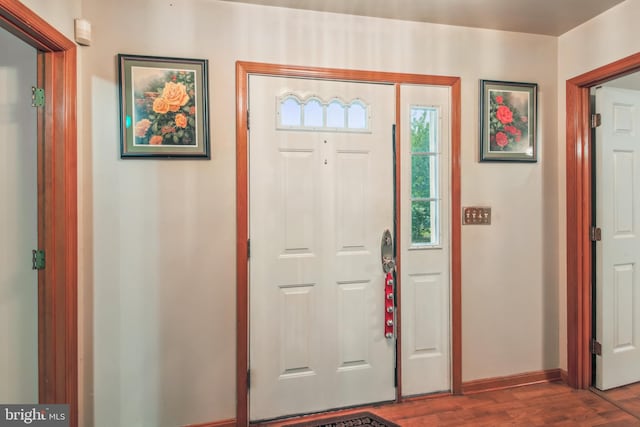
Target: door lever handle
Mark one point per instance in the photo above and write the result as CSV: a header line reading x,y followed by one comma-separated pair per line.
x,y
386,252
388,264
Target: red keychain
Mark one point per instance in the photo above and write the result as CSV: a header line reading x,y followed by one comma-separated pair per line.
x,y
388,306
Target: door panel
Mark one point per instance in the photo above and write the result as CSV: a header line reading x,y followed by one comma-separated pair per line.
x,y
425,281
18,223
320,198
618,252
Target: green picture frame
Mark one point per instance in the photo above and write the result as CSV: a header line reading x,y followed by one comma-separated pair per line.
x,y
508,121
163,107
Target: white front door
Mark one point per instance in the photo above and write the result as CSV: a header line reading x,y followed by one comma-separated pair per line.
x,y
618,253
18,223
320,197
425,282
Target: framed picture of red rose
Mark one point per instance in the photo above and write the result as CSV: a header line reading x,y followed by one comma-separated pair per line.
x,y
163,107
508,121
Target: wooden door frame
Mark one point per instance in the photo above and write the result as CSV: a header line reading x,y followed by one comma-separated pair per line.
x,y
57,201
579,216
243,70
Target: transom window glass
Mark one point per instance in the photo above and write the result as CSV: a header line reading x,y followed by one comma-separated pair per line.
x,y
357,116
312,113
336,115
425,186
290,112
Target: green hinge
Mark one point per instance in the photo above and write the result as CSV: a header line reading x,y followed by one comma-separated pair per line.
x,y
37,97
38,259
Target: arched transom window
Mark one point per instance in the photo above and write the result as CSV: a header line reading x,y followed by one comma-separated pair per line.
x,y
313,113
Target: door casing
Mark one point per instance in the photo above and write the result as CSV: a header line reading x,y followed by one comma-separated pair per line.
x,y
57,202
243,70
579,216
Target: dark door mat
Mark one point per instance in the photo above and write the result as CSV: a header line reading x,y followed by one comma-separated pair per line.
x,y
352,420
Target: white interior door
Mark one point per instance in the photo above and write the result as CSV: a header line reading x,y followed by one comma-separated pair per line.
x,y
18,223
321,195
618,253
425,256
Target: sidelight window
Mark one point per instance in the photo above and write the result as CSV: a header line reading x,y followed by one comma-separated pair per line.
x,y
425,191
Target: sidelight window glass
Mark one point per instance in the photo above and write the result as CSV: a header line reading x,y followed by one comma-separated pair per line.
x,y
425,186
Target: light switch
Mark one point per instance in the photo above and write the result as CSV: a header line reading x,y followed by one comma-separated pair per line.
x,y
476,215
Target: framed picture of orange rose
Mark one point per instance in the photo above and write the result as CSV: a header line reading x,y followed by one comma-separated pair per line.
x,y
163,107
508,121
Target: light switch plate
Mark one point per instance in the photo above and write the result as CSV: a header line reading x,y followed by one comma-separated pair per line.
x,y
476,215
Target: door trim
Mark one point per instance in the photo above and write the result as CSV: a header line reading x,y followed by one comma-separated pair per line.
x,y
579,217
243,70
57,201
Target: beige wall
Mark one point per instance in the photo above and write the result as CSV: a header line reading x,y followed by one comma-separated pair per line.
x,y
157,238
608,37
163,232
156,299
58,13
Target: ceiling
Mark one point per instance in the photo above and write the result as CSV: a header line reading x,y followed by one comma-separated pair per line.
x,y
550,17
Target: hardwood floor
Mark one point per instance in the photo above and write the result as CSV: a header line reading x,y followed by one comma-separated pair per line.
x,y
627,397
551,404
